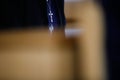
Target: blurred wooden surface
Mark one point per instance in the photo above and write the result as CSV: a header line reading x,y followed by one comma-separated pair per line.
x,y
35,55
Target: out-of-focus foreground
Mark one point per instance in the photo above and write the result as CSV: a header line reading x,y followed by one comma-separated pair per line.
x,y
40,55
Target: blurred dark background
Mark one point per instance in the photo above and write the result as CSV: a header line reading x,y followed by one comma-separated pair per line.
x,y
112,15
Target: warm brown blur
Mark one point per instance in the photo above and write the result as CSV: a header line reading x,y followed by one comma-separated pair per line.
x,y
88,16
40,55
35,55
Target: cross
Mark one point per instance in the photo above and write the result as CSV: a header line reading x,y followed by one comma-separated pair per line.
x,y
51,16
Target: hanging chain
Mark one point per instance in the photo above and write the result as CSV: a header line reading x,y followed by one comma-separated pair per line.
x,y
50,16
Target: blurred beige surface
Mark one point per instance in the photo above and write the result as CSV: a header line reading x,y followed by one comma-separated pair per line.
x,y
35,55
89,17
